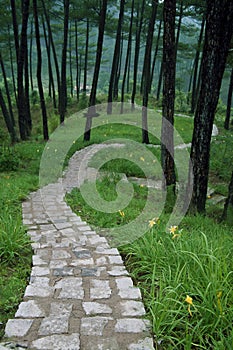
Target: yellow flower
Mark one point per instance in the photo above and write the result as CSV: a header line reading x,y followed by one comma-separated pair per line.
x,y
141,185
209,197
189,300
153,222
173,229
142,159
122,214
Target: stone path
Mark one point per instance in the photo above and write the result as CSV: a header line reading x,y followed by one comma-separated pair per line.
x,y
80,295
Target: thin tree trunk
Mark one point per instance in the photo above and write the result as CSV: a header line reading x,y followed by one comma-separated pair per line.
x,y
228,207
77,60
115,61
12,67
92,101
30,57
137,50
15,28
71,71
179,25
146,79
118,74
38,74
50,39
155,53
86,57
52,92
148,49
63,87
229,99
7,90
169,73
27,93
7,118
22,103
127,58
196,64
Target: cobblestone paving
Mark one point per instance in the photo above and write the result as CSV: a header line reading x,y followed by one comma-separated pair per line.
x,y
80,295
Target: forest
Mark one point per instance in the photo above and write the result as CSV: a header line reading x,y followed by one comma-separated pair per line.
x,y
168,60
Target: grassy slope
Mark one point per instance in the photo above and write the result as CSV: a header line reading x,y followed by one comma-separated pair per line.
x,y
15,185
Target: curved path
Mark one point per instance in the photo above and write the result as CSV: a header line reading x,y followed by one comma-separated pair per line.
x,y
80,295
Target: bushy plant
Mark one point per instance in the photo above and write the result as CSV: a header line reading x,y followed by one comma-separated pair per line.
x,y
13,239
9,159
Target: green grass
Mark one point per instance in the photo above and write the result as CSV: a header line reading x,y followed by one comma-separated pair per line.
x,y
15,248
195,261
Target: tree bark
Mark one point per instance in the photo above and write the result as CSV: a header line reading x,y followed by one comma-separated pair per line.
x,y
155,53
15,28
7,118
50,39
196,64
86,57
22,103
92,101
218,35
169,73
63,87
228,207
139,22
50,70
127,59
229,99
116,54
146,78
39,79
7,90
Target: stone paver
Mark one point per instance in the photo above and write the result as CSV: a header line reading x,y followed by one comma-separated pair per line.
x,y
80,295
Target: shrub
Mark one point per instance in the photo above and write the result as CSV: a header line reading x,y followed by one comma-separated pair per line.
x,y
9,159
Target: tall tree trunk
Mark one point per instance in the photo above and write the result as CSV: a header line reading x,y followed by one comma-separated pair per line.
x,y
12,67
71,70
218,35
229,99
7,90
63,88
116,54
22,103
7,118
127,59
77,60
52,92
155,53
160,81
179,25
196,64
15,28
169,73
139,23
38,74
27,93
30,57
92,101
228,207
50,39
146,79
118,74
148,48
86,57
